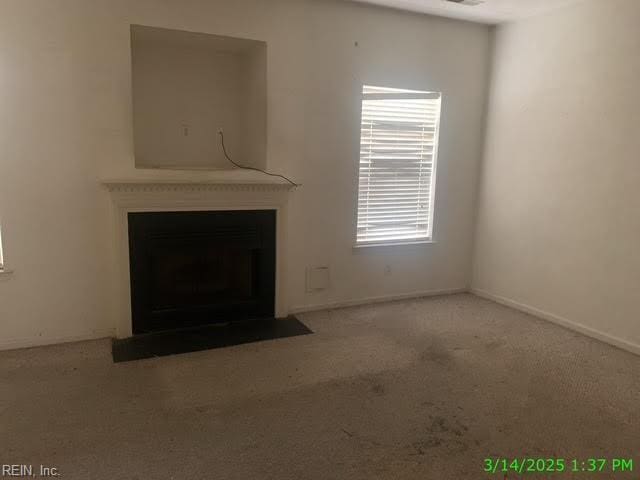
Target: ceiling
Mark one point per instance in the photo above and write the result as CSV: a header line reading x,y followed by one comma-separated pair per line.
x,y
490,11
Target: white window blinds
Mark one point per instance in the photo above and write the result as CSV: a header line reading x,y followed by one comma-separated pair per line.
x,y
398,149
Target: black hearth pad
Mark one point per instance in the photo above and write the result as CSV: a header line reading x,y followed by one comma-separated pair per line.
x,y
159,344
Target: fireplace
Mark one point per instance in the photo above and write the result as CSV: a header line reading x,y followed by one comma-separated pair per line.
x,y
190,269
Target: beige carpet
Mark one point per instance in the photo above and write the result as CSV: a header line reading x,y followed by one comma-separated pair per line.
x,y
422,389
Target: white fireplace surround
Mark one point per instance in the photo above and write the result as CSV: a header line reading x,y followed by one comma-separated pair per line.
x,y
192,191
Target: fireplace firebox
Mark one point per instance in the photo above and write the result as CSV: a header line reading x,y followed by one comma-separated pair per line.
x,y
191,269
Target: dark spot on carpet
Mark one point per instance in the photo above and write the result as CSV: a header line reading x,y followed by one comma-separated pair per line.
x,y
378,389
437,353
422,446
495,344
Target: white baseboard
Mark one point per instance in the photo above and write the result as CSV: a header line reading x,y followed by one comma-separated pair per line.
x,y
379,299
15,343
563,322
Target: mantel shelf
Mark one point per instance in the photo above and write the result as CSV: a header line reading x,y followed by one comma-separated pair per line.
x,y
158,180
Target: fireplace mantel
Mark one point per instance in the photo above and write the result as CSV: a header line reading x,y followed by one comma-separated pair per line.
x,y
156,190
155,180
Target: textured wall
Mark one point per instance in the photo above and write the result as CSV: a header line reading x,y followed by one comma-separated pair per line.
x,y
66,121
558,224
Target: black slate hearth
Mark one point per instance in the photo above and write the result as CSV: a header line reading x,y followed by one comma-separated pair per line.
x,y
194,339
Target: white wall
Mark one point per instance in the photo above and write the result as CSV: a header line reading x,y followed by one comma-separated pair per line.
x,y
186,89
558,225
255,108
66,121
174,89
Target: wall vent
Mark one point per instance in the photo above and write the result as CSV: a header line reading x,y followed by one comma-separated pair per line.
x,y
317,279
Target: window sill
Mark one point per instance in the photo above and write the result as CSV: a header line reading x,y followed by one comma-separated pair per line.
x,y
393,244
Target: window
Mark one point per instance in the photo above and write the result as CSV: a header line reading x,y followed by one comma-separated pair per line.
x,y
398,150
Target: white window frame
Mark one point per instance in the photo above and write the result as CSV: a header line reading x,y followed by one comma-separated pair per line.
x,y
1,252
3,268
430,237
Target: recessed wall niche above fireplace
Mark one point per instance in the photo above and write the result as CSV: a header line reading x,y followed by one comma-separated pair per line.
x,y
186,86
198,268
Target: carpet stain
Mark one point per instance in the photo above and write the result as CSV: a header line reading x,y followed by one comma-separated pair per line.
x,y
441,432
442,425
378,389
437,353
495,344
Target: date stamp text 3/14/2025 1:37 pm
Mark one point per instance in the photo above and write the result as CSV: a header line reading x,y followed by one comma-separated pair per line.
x,y
551,466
